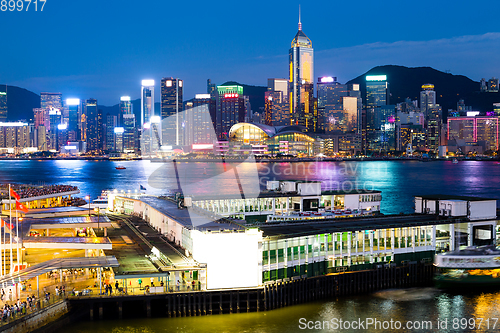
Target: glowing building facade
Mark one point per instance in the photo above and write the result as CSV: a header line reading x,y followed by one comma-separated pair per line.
x,y
171,110
301,72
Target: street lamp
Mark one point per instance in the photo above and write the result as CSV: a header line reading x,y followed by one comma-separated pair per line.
x,y
88,199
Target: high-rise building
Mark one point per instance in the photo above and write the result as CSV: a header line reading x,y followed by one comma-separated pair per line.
x,y
3,103
278,85
14,135
277,111
73,106
493,84
125,108
199,117
330,106
51,101
147,117
377,95
111,123
301,74
93,130
230,109
377,90
55,117
171,110
427,98
130,144
147,101
212,89
477,130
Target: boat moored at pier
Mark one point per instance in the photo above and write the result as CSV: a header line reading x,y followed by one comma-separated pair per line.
x,y
473,266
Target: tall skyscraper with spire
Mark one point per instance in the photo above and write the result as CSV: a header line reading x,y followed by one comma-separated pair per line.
x,y
301,64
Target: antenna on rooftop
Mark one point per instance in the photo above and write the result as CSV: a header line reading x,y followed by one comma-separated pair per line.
x,y
300,24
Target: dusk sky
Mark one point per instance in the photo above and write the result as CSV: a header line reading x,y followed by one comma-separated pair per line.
x,y
102,49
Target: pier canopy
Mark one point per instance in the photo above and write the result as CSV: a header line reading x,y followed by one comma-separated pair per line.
x,y
55,264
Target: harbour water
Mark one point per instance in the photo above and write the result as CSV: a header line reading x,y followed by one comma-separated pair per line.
x,y
399,181
424,308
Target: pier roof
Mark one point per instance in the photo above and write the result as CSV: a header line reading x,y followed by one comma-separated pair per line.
x,y
314,227
276,194
188,218
451,197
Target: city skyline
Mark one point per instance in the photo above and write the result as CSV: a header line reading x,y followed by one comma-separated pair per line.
x,y
119,60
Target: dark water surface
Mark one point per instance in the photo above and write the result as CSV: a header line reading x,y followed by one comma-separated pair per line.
x,y
410,308
399,181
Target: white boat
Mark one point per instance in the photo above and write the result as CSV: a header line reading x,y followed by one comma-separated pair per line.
x,y
101,202
471,267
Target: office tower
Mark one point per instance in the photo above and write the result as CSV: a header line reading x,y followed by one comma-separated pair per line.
x,y
199,117
474,131
277,111
377,90
433,116
278,85
493,85
171,110
92,122
130,133
125,108
118,139
3,103
309,107
14,135
230,109
55,119
483,85
330,108
147,101
73,106
62,135
377,95
301,72
147,113
338,106
427,98
433,127
211,89
51,101
111,123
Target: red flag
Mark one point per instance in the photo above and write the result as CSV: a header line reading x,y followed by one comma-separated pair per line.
x,y
10,226
20,206
14,194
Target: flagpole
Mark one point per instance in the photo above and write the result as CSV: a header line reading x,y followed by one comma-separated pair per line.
x,y
10,233
17,236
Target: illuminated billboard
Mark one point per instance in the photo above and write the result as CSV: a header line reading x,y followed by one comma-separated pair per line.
x,y
376,78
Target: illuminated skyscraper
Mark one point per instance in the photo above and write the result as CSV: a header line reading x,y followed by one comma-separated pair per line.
x,y
51,101
301,70
3,103
277,110
147,101
199,117
94,122
171,108
73,106
125,108
230,109
377,96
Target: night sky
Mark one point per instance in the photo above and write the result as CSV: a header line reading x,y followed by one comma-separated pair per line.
x,y
103,48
